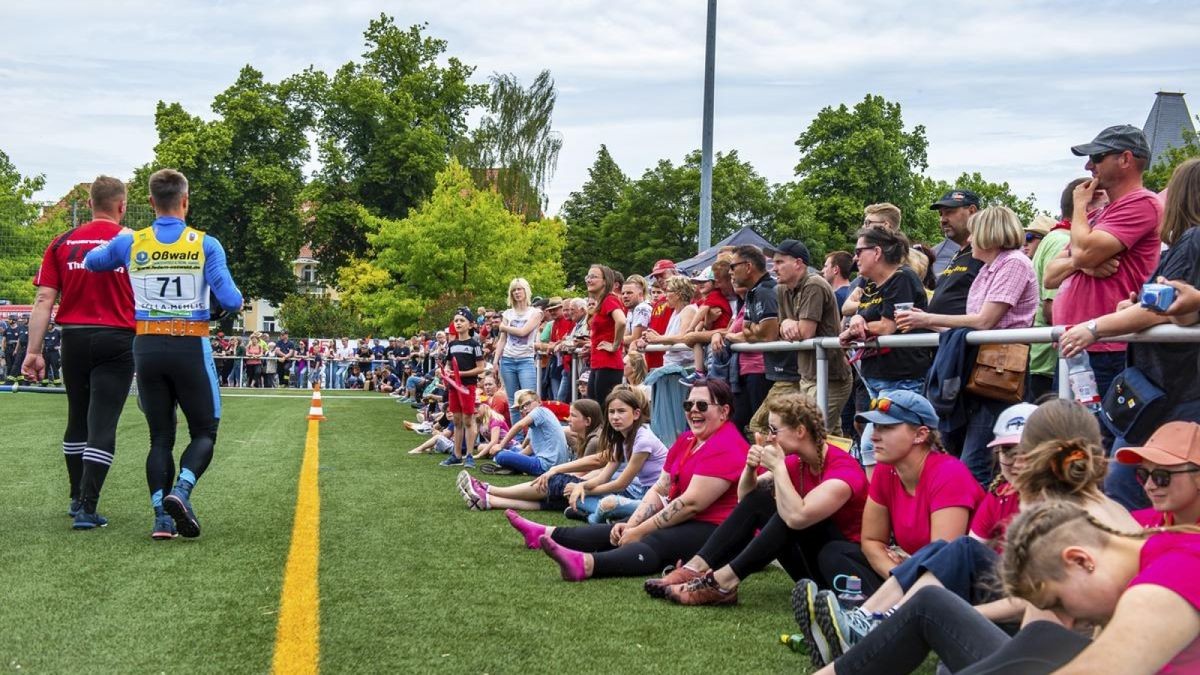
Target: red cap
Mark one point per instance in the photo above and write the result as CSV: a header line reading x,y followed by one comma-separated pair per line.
x,y
1174,443
661,266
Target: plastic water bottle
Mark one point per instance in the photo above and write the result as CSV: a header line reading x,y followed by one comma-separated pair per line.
x,y
1083,381
794,642
850,596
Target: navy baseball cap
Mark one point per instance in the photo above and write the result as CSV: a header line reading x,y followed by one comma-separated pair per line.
x,y
956,198
1117,138
794,248
900,407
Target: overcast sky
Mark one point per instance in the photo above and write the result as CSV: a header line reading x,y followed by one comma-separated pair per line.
x,y
1002,88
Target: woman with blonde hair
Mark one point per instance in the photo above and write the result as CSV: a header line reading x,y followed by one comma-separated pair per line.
x,y
514,352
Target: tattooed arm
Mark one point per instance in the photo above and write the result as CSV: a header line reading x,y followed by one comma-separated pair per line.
x,y
700,494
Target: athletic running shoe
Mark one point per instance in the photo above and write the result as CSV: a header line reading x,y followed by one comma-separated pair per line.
x,y
451,461
804,607
179,507
75,507
164,527
469,462
88,521
703,590
850,626
656,588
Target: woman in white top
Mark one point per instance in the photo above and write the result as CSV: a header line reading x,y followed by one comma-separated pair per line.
x,y
514,347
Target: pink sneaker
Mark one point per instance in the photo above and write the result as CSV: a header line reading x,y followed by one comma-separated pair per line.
x,y
531,531
570,562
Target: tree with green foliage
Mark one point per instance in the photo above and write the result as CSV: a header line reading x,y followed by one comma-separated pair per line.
x,y
584,212
658,214
23,238
795,217
922,223
514,148
318,315
385,128
460,247
1158,175
245,174
852,157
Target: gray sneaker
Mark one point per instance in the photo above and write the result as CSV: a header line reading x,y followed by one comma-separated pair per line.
x,y
841,628
804,601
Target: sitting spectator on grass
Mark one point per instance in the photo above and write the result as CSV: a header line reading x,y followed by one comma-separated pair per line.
x,y
492,427
354,378
547,441
695,492
583,427
796,494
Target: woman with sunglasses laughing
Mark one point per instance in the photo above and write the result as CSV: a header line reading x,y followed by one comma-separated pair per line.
x,y
695,493
1168,468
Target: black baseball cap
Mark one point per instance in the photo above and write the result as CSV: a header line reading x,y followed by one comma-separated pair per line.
x,y
956,198
1117,138
794,248
539,302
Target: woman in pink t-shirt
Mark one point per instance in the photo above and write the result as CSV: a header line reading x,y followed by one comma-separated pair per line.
x,y
1003,295
694,494
797,493
918,493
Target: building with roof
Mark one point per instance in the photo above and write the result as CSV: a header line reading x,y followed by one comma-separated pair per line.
x,y
1169,119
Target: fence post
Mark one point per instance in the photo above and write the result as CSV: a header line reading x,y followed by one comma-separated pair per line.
x,y
574,377
822,380
537,375
1064,383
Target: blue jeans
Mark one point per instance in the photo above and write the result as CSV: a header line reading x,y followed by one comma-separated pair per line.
x,y
875,388
339,376
619,506
517,374
970,443
511,459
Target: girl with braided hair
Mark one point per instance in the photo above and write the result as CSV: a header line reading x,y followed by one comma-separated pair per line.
x,y
797,492
1059,459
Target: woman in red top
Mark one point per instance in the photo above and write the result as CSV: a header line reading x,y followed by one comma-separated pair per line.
x,y
608,332
797,493
695,493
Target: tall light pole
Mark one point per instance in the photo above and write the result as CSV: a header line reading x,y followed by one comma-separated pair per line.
x,y
706,149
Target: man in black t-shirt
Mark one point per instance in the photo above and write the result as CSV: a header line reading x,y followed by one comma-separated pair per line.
x,y
955,208
285,350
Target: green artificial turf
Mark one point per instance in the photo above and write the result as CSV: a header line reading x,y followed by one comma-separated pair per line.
x,y
410,580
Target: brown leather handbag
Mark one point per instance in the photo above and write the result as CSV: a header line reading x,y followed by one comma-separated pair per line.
x,y
999,372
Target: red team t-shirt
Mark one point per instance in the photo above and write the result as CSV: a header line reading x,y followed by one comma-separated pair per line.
x,y
86,298
603,330
723,456
660,317
995,511
716,298
1170,560
945,482
839,465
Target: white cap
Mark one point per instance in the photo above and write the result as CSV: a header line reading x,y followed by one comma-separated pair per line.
x,y
1011,423
705,274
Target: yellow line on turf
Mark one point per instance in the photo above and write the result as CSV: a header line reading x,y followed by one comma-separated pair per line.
x,y
297,637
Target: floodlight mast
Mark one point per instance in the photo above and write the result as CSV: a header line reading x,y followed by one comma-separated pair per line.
x,y
706,149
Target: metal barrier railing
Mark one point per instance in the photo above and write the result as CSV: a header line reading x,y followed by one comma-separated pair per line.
x,y
1165,333
332,371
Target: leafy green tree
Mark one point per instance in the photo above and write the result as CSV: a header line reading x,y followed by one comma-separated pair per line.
x,y
921,223
245,173
304,314
658,215
514,147
462,246
23,238
1157,176
584,212
852,157
385,128
795,217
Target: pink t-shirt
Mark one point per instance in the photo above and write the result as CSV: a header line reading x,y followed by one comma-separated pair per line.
x,y
1170,560
722,456
1134,220
749,363
995,511
839,465
945,482
1152,518
1009,279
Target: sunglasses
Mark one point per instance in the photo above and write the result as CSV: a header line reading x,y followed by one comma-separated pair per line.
x,y
885,405
1096,159
702,406
1161,477
858,251
1030,236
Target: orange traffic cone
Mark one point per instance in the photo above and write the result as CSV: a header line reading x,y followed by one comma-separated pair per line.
x,y
314,411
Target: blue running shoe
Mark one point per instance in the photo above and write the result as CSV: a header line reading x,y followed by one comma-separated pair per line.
x,y
76,507
469,462
88,521
179,507
451,461
164,527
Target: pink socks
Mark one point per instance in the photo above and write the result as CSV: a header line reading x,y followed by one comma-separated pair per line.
x,y
530,530
570,562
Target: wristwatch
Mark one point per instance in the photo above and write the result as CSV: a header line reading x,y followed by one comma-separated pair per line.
x,y
1091,326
